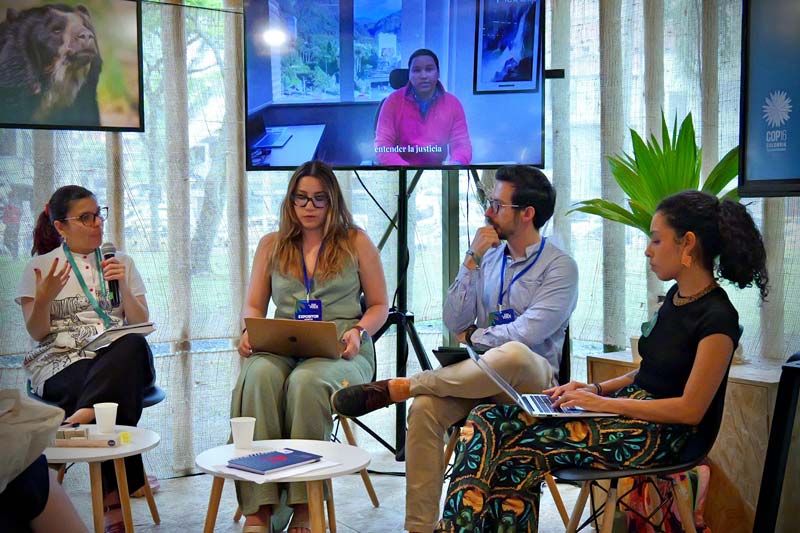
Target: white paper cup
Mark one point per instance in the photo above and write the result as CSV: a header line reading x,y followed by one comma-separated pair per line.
x,y
242,429
105,414
635,349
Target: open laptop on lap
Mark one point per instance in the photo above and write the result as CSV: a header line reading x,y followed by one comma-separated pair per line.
x,y
538,405
294,338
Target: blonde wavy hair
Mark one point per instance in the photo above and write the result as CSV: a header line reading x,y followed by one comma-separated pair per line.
x,y
338,230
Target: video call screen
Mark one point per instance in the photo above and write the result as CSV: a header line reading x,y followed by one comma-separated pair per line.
x,y
331,81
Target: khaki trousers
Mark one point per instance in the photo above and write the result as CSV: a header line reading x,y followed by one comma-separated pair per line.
x,y
444,396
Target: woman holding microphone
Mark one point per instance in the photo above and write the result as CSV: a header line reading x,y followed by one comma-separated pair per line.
x,y
65,301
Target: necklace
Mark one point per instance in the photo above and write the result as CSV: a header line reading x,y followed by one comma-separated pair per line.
x,y
679,300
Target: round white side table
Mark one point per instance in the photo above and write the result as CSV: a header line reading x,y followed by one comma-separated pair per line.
x,y
349,458
141,441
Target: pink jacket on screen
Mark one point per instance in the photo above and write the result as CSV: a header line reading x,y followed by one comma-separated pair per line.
x,y
403,137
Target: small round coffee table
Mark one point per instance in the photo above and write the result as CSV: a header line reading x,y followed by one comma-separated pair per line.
x,y
349,459
141,441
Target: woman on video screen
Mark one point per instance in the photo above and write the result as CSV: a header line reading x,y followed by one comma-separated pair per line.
x,y
421,124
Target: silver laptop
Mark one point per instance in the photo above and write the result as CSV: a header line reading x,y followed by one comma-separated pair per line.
x,y
275,137
538,405
294,338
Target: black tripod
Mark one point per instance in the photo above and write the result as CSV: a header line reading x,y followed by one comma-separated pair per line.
x,y
400,316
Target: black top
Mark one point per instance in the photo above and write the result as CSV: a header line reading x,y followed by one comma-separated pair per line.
x,y
668,352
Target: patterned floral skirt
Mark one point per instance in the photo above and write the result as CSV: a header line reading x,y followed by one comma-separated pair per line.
x,y
504,454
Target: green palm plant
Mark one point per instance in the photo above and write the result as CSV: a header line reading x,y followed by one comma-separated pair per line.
x,y
659,170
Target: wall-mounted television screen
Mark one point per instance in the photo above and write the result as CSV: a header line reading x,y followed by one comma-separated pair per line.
x,y
769,137
332,80
69,64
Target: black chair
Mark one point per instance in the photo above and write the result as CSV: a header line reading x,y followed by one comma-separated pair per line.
x,y
564,376
153,396
397,78
344,422
695,450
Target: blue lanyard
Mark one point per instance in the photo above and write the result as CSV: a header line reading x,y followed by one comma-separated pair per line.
x,y
89,296
309,281
519,274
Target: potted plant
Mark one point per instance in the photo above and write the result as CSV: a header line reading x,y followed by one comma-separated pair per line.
x,y
657,170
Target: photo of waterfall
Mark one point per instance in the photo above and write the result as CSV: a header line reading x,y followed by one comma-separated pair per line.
x,y
508,47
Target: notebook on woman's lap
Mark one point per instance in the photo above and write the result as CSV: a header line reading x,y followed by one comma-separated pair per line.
x,y
538,405
294,338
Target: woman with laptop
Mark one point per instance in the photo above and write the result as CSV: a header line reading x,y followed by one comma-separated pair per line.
x,y
686,349
315,267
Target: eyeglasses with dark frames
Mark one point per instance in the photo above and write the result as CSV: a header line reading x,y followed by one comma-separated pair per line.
x,y
90,219
319,200
496,204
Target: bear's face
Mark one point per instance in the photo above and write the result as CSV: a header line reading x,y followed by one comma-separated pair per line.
x,y
65,39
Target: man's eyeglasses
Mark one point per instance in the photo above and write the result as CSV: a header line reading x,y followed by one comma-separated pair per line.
x,y
90,219
319,200
496,204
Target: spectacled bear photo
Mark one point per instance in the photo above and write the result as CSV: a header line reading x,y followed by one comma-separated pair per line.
x,y
49,66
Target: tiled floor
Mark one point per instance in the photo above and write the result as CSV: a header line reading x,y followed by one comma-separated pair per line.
x,y
182,503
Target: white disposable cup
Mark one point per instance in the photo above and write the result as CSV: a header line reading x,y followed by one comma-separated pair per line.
x,y
242,429
105,414
635,349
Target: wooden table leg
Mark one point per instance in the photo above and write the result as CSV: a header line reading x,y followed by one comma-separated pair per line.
x,y
151,502
213,504
96,483
124,494
331,508
316,506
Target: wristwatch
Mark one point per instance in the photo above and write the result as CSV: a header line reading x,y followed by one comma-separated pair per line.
x,y
361,332
468,334
475,257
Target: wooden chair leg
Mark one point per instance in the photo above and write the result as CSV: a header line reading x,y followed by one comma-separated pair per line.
x,y
238,515
610,508
62,469
331,508
351,440
684,501
451,445
577,511
562,509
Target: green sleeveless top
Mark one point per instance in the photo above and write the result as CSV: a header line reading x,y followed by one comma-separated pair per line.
x,y
340,295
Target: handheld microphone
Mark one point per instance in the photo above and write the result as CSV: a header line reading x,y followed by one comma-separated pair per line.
x,y
109,250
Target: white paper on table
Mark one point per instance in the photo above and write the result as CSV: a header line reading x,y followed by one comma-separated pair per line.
x,y
274,476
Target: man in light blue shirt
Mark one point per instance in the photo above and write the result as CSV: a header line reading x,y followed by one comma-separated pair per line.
x,y
513,295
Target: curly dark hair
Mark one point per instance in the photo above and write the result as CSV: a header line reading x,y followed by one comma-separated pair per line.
x,y
724,229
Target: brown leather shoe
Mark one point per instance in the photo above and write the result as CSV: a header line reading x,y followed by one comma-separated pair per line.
x,y
359,400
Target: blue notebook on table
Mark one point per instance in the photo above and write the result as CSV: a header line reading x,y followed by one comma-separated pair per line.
x,y
261,463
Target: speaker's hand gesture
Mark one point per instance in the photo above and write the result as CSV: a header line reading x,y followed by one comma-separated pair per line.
x,y
48,287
